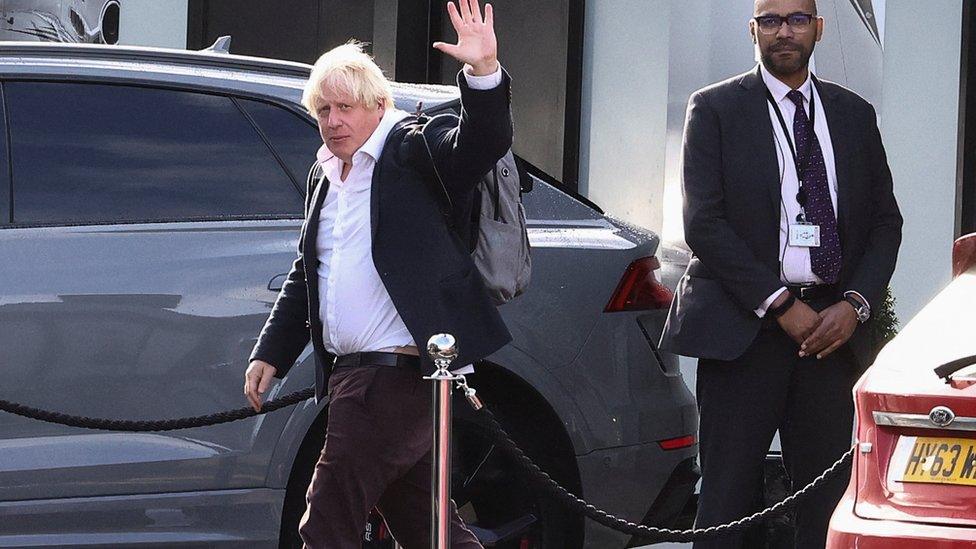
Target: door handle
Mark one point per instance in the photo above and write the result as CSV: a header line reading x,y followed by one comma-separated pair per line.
x,y
277,281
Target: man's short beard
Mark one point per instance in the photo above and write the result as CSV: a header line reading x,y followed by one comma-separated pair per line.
x,y
779,69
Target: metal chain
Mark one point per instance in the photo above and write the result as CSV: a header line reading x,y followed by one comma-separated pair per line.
x,y
537,475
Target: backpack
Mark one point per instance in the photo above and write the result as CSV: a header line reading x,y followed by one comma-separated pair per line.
x,y
502,252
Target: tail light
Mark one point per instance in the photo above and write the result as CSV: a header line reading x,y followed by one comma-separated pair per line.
x,y
963,254
639,289
677,443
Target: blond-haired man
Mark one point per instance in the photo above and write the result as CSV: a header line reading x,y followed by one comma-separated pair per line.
x,y
383,264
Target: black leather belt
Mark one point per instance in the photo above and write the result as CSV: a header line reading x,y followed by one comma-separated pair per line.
x,y
377,358
814,292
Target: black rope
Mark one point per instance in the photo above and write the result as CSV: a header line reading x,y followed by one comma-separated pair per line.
x,y
154,425
570,501
536,474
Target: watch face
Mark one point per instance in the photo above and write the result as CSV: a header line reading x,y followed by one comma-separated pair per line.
x,y
863,313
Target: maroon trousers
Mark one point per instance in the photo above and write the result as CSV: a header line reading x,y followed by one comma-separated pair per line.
x,y
377,454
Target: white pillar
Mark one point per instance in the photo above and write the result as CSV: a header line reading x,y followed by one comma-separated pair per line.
x,y
920,128
153,23
624,116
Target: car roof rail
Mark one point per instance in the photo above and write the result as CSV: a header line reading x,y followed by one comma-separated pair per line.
x,y
221,45
127,53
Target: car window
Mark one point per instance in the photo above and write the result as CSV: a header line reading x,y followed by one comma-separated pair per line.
x,y
295,138
97,153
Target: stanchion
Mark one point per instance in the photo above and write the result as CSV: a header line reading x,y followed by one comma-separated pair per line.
x,y
443,349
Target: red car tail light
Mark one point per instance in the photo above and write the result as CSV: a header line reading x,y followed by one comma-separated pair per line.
x,y
963,254
639,289
677,443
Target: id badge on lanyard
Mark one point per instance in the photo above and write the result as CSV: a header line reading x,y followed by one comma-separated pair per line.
x,y
804,235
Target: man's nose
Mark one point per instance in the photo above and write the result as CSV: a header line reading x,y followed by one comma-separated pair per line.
x,y
333,120
785,31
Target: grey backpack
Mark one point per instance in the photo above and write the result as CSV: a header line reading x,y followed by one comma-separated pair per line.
x,y
502,253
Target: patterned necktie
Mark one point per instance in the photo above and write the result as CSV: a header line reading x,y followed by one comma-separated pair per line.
x,y
825,260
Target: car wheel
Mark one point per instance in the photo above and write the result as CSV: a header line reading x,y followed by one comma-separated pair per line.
x,y
499,502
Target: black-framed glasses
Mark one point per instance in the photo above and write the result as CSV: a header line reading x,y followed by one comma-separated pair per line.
x,y
770,24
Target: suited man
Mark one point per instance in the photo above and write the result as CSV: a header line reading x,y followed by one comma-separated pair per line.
x,y
794,229
383,265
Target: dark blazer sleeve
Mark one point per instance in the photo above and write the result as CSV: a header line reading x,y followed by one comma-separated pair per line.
x,y
708,233
465,148
874,270
286,333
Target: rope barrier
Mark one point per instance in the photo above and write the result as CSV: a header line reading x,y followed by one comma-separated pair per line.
x,y
154,425
537,475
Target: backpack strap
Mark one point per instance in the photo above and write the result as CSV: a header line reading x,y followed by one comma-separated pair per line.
x,y
428,122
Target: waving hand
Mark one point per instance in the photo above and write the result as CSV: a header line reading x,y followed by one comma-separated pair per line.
x,y
476,43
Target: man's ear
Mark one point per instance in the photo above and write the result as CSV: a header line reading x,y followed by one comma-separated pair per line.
x,y
820,27
752,31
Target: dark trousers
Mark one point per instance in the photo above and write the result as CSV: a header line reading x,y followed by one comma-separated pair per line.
x,y
377,454
742,403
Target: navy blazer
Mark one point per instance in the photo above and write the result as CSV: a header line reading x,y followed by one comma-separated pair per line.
x,y
420,233
731,187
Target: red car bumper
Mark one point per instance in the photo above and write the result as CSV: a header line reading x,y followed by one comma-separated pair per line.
x,y
849,531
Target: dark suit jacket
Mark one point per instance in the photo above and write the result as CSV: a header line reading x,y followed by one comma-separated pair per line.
x,y
420,234
731,187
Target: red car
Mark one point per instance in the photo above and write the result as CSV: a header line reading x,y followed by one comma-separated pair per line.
x,y
913,482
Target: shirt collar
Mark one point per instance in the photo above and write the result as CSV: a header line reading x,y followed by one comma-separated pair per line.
x,y
779,89
374,145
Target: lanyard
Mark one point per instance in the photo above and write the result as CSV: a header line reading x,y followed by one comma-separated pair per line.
x,y
800,168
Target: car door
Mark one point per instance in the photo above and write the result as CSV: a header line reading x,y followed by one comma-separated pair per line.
x,y
150,230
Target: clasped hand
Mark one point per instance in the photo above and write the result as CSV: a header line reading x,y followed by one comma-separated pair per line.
x,y
820,333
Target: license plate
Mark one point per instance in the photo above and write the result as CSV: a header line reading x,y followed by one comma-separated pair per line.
x,y
934,460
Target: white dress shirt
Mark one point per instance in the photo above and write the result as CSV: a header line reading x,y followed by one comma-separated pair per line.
x,y
357,313
795,266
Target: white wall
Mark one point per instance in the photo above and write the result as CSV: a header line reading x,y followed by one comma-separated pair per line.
x,y
153,23
623,125
920,128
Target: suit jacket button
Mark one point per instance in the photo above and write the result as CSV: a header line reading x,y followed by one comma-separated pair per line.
x,y
308,324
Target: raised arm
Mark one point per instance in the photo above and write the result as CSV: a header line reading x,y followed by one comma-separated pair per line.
x,y
466,148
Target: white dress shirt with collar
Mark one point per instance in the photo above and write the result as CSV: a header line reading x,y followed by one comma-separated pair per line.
x,y
795,266
356,311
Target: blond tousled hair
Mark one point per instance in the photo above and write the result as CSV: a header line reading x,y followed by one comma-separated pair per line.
x,y
347,68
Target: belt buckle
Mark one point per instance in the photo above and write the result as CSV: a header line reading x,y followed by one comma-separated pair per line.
x,y
805,291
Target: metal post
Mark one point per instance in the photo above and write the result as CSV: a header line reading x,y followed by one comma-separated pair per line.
x,y
443,349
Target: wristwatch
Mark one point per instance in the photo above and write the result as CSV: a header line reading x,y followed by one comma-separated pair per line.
x,y
862,310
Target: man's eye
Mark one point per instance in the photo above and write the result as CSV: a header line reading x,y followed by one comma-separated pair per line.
x,y
344,107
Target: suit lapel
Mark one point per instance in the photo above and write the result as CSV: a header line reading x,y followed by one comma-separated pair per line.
x,y
756,110
838,125
310,236
374,199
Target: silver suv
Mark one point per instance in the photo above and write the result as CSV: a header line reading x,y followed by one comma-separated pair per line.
x,y
150,203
